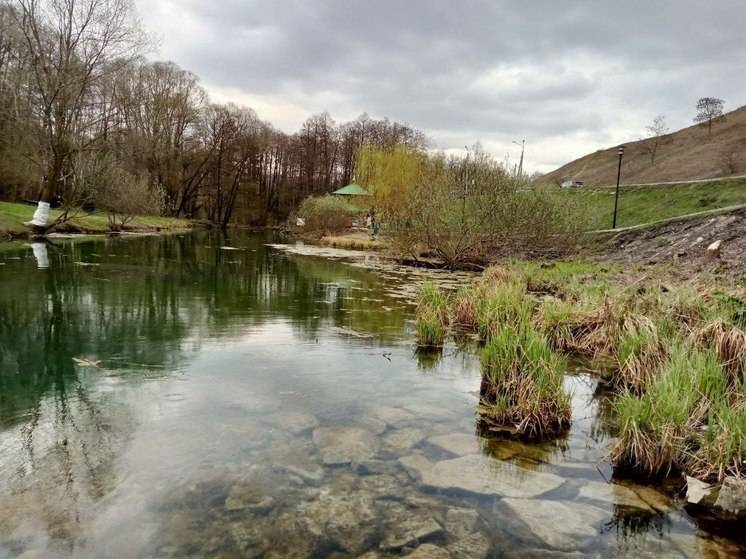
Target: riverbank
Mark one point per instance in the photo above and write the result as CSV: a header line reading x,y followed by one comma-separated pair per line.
x,y
672,354
13,217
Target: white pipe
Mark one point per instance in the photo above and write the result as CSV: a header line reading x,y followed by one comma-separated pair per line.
x,y
41,215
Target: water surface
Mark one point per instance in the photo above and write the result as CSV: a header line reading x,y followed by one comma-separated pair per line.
x,y
205,395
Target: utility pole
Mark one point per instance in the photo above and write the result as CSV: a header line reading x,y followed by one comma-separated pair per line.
x,y
620,151
520,164
466,187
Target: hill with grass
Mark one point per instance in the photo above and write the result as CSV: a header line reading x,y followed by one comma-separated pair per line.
x,y
689,154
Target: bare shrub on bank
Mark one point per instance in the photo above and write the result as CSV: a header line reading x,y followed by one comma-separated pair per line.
x,y
463,209
123,195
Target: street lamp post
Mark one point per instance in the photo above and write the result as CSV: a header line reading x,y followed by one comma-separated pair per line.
x,y
520,165
620,151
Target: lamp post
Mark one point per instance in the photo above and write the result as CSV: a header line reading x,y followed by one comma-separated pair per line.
x,y
620,151
520,165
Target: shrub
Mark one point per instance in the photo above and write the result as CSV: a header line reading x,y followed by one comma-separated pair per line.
x,y
522,383
463,210
327,214
124,196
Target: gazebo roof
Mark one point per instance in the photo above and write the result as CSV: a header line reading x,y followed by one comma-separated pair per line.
x,y
351,190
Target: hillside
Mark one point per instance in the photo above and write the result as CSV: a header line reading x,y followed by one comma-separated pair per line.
x,y
688,154
647,204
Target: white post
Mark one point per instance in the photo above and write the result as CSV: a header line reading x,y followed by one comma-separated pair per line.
x,y
41,215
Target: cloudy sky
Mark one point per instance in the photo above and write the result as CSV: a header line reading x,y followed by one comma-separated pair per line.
x,y
569,76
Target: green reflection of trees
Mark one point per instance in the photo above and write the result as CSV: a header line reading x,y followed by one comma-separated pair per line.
x,y
139,303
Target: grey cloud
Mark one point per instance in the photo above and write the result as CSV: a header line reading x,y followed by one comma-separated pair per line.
x,y
582,67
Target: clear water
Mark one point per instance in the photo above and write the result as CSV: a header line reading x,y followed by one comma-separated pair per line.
x,y
169,397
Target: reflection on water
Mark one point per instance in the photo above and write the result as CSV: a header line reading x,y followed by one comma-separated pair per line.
x,y
171,397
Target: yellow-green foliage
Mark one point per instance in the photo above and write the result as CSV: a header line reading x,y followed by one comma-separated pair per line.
x,y
391,175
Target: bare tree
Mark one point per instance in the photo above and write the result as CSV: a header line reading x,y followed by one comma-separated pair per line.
x,y
709,109
657,136
72,44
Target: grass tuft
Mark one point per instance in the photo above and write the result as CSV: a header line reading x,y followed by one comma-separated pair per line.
x,y
522,383
431,315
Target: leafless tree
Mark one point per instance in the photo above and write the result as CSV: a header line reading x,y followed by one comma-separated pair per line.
x,y
709,109
657,136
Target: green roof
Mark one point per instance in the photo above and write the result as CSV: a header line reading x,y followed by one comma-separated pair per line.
x,y
351,190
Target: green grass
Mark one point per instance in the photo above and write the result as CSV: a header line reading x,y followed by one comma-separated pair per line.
x,y
675,356
432,315
13,216
646,204
692,419
522,383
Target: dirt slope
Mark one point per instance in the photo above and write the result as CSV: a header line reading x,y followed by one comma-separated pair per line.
x,y
683,243
684,155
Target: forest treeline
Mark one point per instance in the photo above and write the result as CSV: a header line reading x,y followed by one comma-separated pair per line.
x,y
87,120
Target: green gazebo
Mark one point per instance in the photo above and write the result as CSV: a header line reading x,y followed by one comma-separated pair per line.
x,y
351,189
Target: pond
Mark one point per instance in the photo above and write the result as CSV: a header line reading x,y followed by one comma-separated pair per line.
x,y
206,395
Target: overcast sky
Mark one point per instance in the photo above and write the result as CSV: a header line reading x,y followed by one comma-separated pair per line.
x,y
568,76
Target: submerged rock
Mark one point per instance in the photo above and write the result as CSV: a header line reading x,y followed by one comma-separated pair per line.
x,y
466,542
461,521
372,467
429,551
559,524
459,444
403,439
732,496
297,458
344,520
470,546
293,422
475,474
344,445
247,496
391,415
614,494
414,465
698,492
411,531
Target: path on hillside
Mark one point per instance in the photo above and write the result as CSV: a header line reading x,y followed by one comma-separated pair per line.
x,y
673,183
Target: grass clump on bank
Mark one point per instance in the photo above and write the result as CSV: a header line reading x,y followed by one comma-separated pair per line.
x,y
522,383
691,419
432,316
675,355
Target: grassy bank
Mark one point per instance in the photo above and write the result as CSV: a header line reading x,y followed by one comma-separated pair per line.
x,y
674,355
13,216
646,204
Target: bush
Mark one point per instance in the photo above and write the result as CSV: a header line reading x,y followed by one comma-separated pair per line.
x,y
326,214
123,195
464,210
